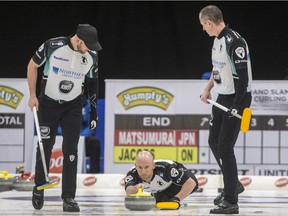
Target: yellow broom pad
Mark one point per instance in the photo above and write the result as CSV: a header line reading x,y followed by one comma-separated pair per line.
x,y
47,185
167,205
246,118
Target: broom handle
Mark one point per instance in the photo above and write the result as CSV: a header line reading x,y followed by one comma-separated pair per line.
x,y
223,108
40,143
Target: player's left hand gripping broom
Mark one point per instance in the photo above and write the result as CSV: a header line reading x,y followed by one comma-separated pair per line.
x,y
48,183
245,118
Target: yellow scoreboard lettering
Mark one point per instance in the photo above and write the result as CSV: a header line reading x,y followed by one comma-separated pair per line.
x,y
128,154
187,155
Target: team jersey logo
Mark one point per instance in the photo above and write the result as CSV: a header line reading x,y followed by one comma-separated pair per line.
x,y
229,38
72,158
217,77
174,172
55,70
221,48
84,60
41,48
60,59
56,43
128,178
66,86
45,132
240,52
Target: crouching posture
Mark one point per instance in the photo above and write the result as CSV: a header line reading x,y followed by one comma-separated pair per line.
x,y
166,180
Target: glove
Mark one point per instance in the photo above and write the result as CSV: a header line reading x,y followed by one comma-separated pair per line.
x,y
175,200
93,120
233,110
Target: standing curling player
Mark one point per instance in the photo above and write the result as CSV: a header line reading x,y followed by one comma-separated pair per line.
x,y
232,78
70,63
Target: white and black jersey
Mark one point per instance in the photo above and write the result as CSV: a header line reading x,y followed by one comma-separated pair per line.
x,y
67,75
167,176
65,69
231,64
232,76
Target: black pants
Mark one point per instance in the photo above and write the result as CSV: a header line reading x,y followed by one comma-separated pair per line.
x,y
223,134
69,116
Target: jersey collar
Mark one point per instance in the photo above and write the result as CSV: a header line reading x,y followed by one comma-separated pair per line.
x,y
223,32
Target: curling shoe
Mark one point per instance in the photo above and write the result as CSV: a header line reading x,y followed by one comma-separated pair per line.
x,y
225,208
220,197
70,205
37,198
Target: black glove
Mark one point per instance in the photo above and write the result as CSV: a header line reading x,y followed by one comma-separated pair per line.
x,y
234,109
93,120
175,200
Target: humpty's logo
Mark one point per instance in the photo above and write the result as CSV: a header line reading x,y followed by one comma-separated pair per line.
x,y
10,97
145,95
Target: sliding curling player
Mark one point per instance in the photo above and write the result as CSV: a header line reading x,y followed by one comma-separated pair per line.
x,y
168,182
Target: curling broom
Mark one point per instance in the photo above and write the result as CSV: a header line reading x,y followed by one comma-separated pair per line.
x,y
48,184
245,118
168,205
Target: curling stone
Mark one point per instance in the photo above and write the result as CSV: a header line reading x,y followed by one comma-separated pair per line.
x,y
140,201
24,182
6,181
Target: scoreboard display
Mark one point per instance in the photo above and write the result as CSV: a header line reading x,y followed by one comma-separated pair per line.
x,y
168,119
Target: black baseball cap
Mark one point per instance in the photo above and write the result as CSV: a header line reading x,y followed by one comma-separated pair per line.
x,y
88,34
